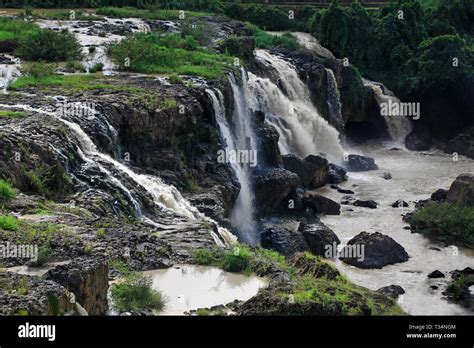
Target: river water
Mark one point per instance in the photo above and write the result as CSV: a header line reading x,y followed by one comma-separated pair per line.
x,y
415,176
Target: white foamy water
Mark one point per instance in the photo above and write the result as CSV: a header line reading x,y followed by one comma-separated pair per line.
x,y
398,125
415,176
9,72
301,127
236,136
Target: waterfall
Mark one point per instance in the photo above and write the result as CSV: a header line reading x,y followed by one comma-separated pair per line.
x,y
165,196
301,128
334,101
9,71
238,136
398,126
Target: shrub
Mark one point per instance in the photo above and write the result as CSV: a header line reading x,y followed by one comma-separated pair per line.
x,y
8,223
265,40
75,65
96,67
44,255
446,222
174,79
40,69
48,45
237,260
191,184
6,191
205,257
136,293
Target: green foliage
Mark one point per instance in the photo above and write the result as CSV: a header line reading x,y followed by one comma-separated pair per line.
x,y
8,223
75,65
457,288
175,79
96,67
191,184
237,260
136,293
6,191
40,69
265,40
446,222
44,255
141,13
48,45
149,53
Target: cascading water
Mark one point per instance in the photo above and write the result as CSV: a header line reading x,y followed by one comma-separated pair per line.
x,y
398,125
302,129
9,71
334,101
238,137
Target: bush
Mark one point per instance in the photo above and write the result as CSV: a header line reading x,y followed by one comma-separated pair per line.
x,y
49,46
40,69
44,255
75,65
446,222
136,293
237,260
6,191
8,223
174,79
96,67
265,40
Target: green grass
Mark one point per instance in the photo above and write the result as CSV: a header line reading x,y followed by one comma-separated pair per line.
x,y
70,82
136,293
12,114
6,190
152,54
265,40
14,29
191,184
124,12
446,222
8,223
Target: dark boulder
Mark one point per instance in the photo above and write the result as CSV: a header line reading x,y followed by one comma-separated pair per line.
x,y
418,140
347,200
436,274
378,250
386,176
282,240
365,204
269,150
272,186
319,238
399,204
336,174
462,190
462,144
392,291
344,191
312,170
439,196
358,163
321,204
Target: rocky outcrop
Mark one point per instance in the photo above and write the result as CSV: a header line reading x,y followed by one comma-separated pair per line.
x,y
312,170
88,280
27,295
284,241
459,289
319,238
321,204
418,140
358,163
377,251
272,186
439,196
462,144
305,265
462,190
400,203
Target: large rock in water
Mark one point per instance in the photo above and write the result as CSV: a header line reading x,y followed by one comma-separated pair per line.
x,y
418,140
319,237
378,251
272,186
282,240
336,174
463,144
358,163
321,204
462,190
88,280
312,171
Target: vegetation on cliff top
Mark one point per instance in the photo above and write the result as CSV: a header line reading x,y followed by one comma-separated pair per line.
x,y
151,53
